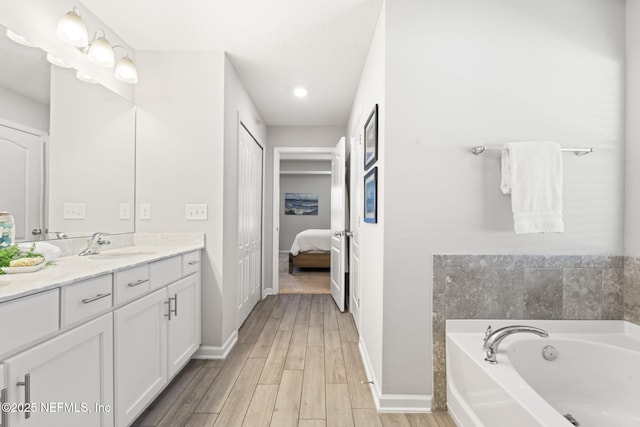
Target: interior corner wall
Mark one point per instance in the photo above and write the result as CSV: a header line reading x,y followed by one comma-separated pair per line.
x,y
632,172
238,106
179,159
21,110
470,73
371,91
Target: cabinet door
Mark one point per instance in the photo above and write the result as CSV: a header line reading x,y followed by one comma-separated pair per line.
x,y
140,354
70,378
184,323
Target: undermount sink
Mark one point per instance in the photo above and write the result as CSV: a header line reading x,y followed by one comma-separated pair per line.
x,y
119,254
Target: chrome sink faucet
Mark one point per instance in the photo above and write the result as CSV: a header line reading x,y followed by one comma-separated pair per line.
x,y
493,338
95,244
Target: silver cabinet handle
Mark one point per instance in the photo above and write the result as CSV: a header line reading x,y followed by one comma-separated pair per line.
x,y
194,262
175,305
168,302
5,414
27,392
139,282
96,298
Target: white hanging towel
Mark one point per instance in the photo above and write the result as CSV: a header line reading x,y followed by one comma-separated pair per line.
x,y
532,174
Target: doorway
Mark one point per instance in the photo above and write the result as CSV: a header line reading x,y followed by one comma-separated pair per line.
x,y
319,163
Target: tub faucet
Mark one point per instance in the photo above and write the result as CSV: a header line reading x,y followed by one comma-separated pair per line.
x,y
95,244
493,340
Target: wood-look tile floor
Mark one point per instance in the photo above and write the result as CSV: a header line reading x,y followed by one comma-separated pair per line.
x,y
296,364
302,280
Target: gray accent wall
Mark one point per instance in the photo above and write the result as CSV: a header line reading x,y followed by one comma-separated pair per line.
x,y
291,225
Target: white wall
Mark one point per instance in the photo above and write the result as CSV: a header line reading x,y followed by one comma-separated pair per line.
x,y
238,106
467,73
180,153
21,110
632,194
91,155
371,91
291,225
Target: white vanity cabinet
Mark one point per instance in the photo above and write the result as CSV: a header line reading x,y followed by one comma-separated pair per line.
x,y
68,379
155,337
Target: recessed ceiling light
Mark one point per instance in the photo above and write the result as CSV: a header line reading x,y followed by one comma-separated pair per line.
x,y
300,92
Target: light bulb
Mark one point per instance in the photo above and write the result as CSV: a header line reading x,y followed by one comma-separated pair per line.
x,y
101,53
72,30
126,71
300,92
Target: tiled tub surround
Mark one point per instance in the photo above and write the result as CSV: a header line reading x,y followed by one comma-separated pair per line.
x,y
524,287
631,290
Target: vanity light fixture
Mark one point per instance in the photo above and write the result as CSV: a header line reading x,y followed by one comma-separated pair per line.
x,y
85,78
19,39
57,61
300,92
125,70
100,51
72,30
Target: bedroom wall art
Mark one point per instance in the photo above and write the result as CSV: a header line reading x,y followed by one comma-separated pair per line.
x,y
371,196
371,139
301,204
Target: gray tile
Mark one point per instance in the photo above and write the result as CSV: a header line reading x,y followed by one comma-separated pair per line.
x,y
612,283
466,261
514,261
439,277
438,313
631,289
582,293
503,293
562,261
464,292
594,261
439,351
542,293
439,391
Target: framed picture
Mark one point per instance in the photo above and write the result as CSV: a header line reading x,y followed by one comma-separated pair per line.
x,y
371,196
301,203
371,139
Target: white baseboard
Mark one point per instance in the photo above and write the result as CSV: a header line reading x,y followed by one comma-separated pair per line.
x,y
215,352
268,291
393,403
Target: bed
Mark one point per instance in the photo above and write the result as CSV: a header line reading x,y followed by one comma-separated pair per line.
x,y
311,249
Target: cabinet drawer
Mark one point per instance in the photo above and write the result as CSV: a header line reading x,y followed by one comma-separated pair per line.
x,y
190,263
131,283
166,271
28,319
87,298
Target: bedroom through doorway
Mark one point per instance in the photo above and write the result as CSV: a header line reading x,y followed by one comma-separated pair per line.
x,y
302,220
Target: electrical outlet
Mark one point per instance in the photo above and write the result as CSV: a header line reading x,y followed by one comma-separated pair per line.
x,y
196,212
145,210
74,211
125,211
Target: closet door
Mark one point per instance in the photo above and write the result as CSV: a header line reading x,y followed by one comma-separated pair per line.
x,y
249,223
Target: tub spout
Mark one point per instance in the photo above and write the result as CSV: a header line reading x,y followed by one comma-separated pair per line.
x,y
492,341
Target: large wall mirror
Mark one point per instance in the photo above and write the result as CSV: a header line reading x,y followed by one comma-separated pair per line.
x,y
67,149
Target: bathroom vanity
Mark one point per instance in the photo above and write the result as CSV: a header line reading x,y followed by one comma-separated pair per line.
x,y
91,341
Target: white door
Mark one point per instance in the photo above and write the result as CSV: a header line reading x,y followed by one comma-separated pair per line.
x,y
338,224
184,334
73,369
249,223
355,210
140,354
22,154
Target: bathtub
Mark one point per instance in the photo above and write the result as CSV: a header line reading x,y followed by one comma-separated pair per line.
x,y
595,377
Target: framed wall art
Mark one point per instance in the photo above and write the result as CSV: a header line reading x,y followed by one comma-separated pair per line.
x,y
301,203
371,196
371,139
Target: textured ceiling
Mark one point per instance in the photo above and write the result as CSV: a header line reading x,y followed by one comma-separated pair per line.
x,y
274,45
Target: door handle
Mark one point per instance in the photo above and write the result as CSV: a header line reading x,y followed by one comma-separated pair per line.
x,y
348,233
27,393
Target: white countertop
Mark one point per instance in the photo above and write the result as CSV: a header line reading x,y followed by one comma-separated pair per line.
x,y
70,269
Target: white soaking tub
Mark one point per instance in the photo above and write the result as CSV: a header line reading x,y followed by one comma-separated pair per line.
x,y
594,381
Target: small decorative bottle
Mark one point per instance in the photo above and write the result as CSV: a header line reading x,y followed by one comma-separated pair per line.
x,y
7,229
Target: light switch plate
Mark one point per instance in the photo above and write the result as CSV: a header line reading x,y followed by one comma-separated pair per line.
x,y
196,212
125,211
74,211
145,210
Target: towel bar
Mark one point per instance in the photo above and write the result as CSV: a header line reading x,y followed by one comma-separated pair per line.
x,y
479,149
